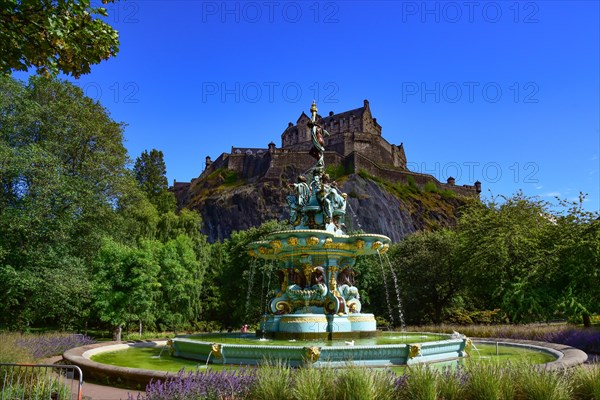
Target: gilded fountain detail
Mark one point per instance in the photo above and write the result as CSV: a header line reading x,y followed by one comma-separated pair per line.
x,y
317,297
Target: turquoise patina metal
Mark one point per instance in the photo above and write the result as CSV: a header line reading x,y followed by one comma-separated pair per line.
x,y
318,298
321,356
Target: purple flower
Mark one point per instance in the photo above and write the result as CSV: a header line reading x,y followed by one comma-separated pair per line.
x,y
208,384
47,345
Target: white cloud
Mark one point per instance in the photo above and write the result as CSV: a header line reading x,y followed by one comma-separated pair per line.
x,y
539,187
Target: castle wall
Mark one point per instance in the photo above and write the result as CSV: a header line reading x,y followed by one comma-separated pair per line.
x,y
221,162
399,156
373,147
357,162
355,141
286,164
249,163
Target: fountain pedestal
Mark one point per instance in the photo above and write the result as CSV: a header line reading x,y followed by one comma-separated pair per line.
x,y
317,297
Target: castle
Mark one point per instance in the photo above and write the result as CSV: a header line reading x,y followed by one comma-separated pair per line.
x,y
354,143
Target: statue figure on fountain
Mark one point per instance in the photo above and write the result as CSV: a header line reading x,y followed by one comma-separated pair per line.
x,y
302,292
347,290
319,204
298,200
318,135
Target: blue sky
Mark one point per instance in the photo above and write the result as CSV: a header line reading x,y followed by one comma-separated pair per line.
x,y
502,92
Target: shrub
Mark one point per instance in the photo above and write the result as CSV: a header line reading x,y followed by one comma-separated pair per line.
x,y
451,383
361,383
585,382
229,177
412,184
542,385
335,171
488,316
421,383
147,335
458,316
489,381
313,383
429,187
447,194
208,326
272,381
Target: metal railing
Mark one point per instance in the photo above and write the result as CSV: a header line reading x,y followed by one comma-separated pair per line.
x,y
40,381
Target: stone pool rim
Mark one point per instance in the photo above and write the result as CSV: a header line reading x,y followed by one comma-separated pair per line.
x,y
137,378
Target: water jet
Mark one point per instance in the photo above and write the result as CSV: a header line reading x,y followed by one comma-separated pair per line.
x,y
317,297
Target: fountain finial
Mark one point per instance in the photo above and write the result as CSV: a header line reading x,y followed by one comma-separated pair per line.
x,y
313,111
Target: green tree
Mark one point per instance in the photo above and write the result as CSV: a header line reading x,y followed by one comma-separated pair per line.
x,y
430,276
513,254
126,284
62,170
54,36
150,171
241,283
576,277
509,258
181,277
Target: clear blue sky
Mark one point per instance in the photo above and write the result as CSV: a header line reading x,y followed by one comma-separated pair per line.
x,y
507,93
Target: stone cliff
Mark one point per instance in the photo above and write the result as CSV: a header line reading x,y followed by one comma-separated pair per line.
x,y
248,186
228,203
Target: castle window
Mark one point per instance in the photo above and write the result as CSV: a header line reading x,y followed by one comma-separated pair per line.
x,y
259,152
249,152
238,151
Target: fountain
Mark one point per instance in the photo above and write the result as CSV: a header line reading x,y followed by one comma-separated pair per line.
x,y
317,298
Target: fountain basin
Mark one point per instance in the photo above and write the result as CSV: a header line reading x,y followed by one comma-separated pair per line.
x,y
127,371
320,355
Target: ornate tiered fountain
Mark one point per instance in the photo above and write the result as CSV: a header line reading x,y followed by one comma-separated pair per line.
x,y
317,298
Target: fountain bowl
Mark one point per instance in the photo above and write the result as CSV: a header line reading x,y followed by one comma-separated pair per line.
x,y
308,353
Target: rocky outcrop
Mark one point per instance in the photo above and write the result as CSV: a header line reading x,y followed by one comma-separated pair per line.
x,y
376,207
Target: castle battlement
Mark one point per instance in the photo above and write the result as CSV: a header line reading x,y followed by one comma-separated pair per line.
x,y
354,142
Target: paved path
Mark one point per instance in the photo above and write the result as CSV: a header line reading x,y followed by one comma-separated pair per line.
x,y
92,391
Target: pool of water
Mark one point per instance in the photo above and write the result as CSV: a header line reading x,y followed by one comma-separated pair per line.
x,y
155,358
383,338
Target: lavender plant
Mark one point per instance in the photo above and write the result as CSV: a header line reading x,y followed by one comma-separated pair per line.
x,y
475,381
209,384
452,383
47,345
15,347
